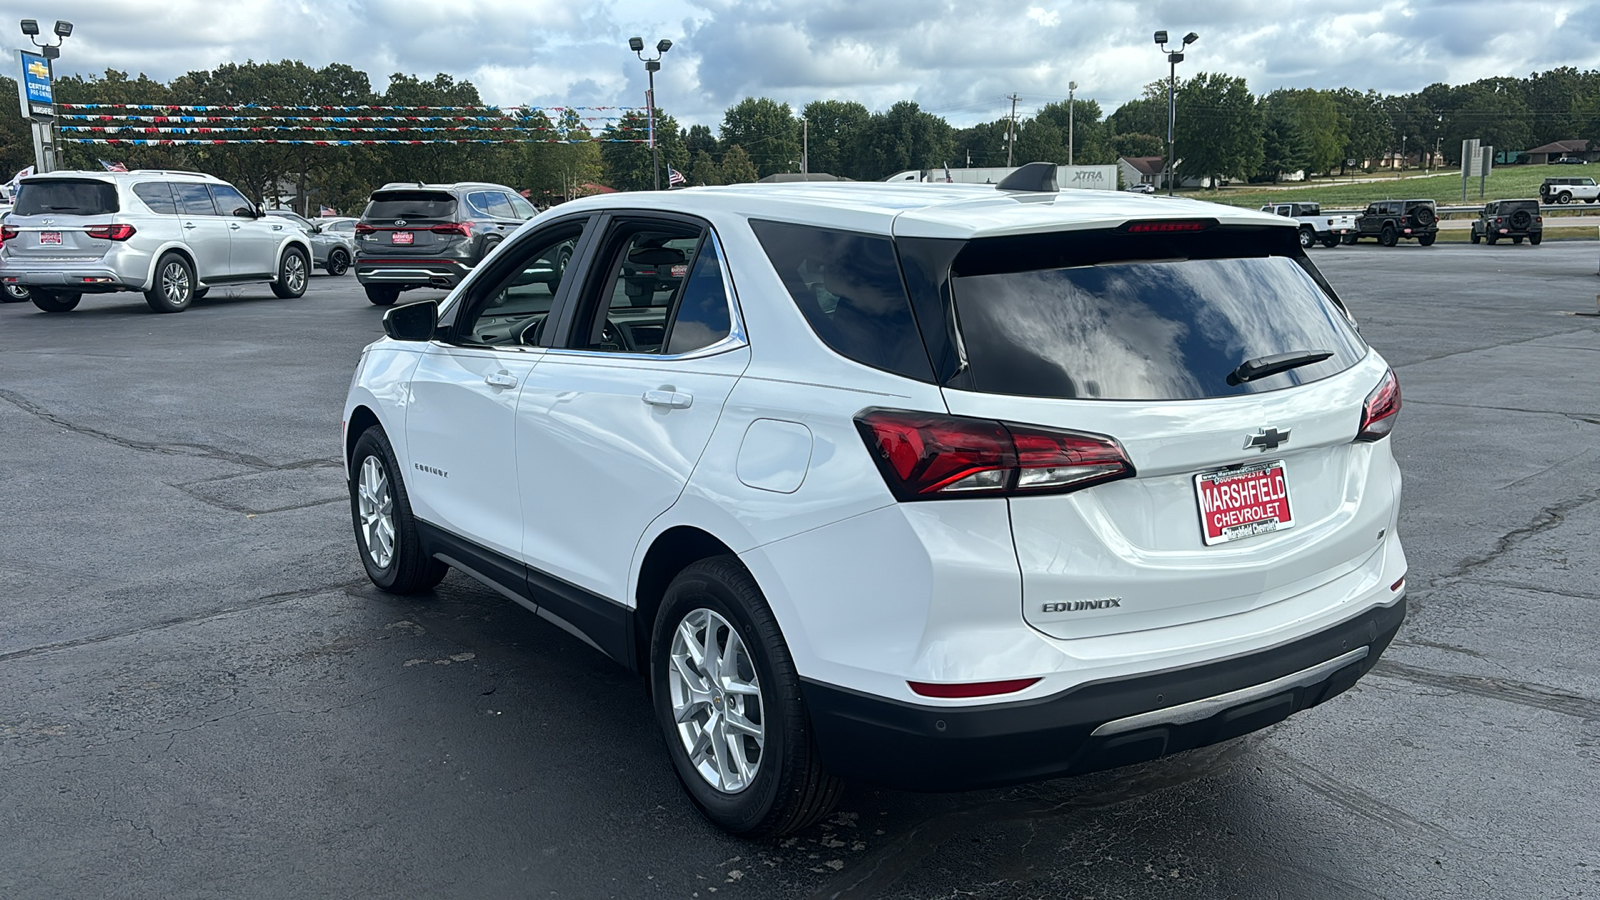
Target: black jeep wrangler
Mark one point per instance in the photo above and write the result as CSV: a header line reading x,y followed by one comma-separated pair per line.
x,y
1393,220
1514,219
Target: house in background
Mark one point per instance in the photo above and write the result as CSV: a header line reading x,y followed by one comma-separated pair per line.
x,y
1147,170
1555,150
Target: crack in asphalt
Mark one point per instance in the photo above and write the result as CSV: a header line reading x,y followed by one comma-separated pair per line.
x,y
1546,519
262,602
193,451
1356,800
877,871
228,506
1520,693
1537,337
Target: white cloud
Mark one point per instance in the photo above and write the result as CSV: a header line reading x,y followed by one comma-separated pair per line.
x,y
957,59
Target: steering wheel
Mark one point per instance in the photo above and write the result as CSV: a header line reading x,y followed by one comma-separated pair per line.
x,y
611,333
532,332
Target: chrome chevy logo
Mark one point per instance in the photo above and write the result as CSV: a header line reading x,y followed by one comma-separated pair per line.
x,y
1267,439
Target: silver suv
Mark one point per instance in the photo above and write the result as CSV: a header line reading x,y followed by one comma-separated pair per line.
x,y
170,235
415,235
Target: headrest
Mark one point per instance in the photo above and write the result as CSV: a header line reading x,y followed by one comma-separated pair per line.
x,y
656,256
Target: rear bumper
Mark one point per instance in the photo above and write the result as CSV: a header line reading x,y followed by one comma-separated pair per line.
x,y
88,279
433,271
1097,726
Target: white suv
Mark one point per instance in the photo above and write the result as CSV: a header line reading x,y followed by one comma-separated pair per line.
x,y
169,235
936,487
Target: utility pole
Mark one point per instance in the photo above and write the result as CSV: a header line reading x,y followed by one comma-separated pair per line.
x,y
1072,108
805,146
1011,130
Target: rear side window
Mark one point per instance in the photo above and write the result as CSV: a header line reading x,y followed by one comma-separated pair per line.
x,y
1163,329
491,203
193,199
847,285
157,196
66,196
410,205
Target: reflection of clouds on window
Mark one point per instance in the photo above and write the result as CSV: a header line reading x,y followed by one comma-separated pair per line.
x,y
1147,330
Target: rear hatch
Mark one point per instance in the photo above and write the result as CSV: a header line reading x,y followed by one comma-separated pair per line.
x,y
410,223
1233,382
61,219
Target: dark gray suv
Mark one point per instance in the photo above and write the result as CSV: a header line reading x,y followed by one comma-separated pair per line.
x,y
429,235
1514,219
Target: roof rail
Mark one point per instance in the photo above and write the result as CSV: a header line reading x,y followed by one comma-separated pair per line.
x,y
1035,176
167,172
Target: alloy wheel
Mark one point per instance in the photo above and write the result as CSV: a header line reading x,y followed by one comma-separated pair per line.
x,y
294,272
375,503
175,285
716,701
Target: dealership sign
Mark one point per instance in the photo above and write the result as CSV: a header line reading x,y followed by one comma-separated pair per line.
x,y
34,88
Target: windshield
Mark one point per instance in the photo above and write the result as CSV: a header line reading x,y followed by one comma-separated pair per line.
x,y
73,197
411,205
1148,330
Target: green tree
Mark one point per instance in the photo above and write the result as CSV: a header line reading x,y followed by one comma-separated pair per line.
x,y
1219,129
703,170
767,131
981,145
1370,132
1090,136
700,140
625,151
903,137
1286,144
737,167
835,128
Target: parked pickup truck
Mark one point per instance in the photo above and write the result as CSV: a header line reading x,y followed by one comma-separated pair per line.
x,y
1314,226
1391,221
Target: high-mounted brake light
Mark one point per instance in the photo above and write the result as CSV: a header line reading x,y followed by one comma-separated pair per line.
x,y
928,456
1168,227
1382,408
110,232
461,228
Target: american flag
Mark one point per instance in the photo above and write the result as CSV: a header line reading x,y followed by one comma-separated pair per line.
x,y
113,166
674,177
327,211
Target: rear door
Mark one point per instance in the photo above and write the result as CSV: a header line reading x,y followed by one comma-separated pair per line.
x,y
204,230
403,224
1248,486
614,419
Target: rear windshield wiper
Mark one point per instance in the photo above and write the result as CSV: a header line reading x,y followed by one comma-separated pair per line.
x,y
1262,366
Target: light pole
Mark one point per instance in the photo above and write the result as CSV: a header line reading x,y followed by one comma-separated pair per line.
x,y
1173,58
44,142
651,66
1071,109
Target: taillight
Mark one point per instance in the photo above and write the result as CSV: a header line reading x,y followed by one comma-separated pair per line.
x,y
1378,414
364,228
927,456
461,228
960,690
8,233
110,232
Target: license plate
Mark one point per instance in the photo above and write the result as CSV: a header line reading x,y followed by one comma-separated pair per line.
x,y
1243,502
49,237
401,237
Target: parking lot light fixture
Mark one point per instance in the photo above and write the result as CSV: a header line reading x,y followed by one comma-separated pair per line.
x,y
51,50
63,28
1173,58
652,65
30,27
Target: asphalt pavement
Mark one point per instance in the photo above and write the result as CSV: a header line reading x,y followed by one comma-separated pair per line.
x,y
201,696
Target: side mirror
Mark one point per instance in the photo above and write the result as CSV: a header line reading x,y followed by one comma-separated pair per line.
x,y
260,212
316,229
245,212
412,322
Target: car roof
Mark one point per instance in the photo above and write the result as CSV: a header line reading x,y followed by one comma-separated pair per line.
x,y
456,186
114,177
958,211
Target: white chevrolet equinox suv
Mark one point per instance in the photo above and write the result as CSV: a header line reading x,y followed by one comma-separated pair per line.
x,y
936,487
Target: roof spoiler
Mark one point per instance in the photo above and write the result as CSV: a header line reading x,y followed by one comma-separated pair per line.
x,y
1035,176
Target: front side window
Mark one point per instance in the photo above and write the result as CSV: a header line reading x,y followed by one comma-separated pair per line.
x,y
847,285
230,202
514,310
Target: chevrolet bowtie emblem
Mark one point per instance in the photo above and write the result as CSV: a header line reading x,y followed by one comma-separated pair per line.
x,y
1267,439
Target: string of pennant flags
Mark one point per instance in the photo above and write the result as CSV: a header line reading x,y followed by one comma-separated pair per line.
x,y
342,142
209,129
249,106
84,117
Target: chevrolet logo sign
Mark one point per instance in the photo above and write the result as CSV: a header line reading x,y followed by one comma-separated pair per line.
x,y
1267,439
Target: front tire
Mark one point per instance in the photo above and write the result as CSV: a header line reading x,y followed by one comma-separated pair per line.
x,y
386,532
382,294
55,301
294,273
727,698
174,287
338,263
1388,236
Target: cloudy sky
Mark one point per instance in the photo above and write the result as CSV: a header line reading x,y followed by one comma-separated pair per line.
x,y
957,59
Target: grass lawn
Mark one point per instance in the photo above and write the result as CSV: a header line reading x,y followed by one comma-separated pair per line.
x,y
1507,183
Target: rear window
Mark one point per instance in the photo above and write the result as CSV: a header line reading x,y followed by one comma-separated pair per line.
x,y
1158,329
848,287
411,205
66,196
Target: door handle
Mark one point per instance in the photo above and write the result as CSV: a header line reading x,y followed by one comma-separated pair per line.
x,y
188,225
669,399
501,380
233,226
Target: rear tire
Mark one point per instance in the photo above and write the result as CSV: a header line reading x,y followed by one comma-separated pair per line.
x,y
1564,197
173,290
386,532
1535,239
1388,236
485,248
1427,240
1330,242
714,605
294,273
382,294
338,263
55,301
15,293
1350,239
